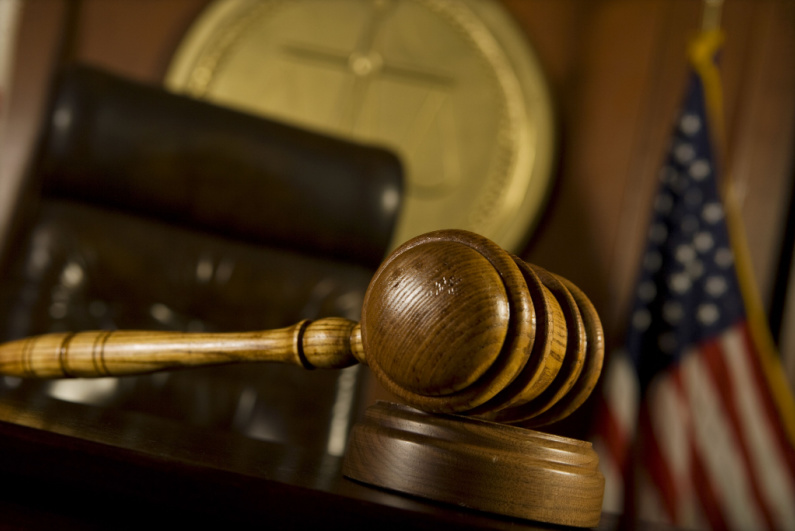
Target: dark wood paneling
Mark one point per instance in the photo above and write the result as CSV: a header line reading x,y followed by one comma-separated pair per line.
x,y
135,39
37,44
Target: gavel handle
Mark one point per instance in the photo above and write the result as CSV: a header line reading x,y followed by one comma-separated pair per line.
x,y
331,343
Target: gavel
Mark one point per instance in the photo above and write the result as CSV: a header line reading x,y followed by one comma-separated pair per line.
x,y
452,324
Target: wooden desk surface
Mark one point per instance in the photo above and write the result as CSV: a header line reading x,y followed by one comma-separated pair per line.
x,y
118,470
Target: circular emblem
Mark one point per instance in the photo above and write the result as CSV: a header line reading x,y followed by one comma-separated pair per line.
x,y
451,86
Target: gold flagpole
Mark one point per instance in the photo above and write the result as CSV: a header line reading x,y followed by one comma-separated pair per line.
x,y
711,16
702,51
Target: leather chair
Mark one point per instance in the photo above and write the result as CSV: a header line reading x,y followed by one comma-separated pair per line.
x,y
148,210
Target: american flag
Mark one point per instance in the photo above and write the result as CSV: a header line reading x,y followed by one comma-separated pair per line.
x,y
688,430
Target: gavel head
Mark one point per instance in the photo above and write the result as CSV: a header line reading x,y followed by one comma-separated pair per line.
x,y
452,323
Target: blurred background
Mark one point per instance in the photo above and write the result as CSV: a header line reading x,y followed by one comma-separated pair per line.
x,y
608,76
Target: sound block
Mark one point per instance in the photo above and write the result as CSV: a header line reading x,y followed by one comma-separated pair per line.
x,y
477,464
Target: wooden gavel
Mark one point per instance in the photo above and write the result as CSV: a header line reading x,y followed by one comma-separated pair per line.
x,y
471,337
451,323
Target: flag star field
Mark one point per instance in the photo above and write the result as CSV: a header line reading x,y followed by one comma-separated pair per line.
x,y
687,291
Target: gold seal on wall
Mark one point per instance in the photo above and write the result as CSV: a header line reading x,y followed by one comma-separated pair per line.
x,y
452,87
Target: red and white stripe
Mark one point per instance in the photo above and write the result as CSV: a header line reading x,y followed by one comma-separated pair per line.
x,y
617,413
712,449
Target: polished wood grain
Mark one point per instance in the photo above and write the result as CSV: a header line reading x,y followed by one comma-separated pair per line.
x,y
571,351
325,343
592,368
546,358
477,464
390,334
451,323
